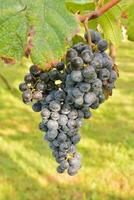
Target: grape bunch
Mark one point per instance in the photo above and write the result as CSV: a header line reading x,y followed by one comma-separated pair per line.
x,y
66,94
38,83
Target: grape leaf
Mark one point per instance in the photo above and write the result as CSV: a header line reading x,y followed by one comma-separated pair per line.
x,y
80,5
130,29
111,27
51,24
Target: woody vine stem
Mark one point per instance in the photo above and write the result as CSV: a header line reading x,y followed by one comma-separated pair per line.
x,y
98,12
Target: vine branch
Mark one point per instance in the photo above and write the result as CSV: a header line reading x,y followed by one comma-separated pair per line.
x,y
100,11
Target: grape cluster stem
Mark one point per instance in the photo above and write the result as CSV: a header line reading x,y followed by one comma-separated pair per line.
x,y
97,13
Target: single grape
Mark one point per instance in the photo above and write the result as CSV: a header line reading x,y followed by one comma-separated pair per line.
x,y
90,98
95,36
60,66
76,76
23,87
59,95
41,86
104,74
37,95
113,76
69,81
60,170
69,100
97,84
73,114
87,56
52,124
72,149
72,131
71,123
63,119
52,134
101,98
97,62
63,147
80,113
87,114
35,71
96,104
102,45
37,107
54,106
72,171
84,87
55,143
55,116
79,101
71,53
75,162
53,75
76,92
64,164
49,98
77,63
78,47
28,78
65,109
27,95
50,86
55,153
107,63
89,73
75,139
61,137
65,128
43,127
44,77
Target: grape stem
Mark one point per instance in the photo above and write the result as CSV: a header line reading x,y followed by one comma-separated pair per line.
x,y
97,13
88,32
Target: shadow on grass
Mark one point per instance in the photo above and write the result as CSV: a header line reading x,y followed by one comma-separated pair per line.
x,y
22,184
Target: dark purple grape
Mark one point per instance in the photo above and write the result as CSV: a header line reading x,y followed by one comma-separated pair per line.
x,y
60,66
44,77
41,86
71,53
37,95
102,45
87,56
37,107
23,87
27,94
77,63
28,78
95,36
35,71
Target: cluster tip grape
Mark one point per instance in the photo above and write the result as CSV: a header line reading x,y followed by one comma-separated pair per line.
x,y
66,94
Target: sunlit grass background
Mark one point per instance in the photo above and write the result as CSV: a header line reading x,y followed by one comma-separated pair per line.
x,y
27,169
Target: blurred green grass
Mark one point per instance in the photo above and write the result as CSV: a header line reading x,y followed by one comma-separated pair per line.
x,y
27,169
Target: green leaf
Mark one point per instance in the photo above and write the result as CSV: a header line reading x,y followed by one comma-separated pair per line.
x,y
50,21
13,31
110,25
130,30
80,5
125,4
77,39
